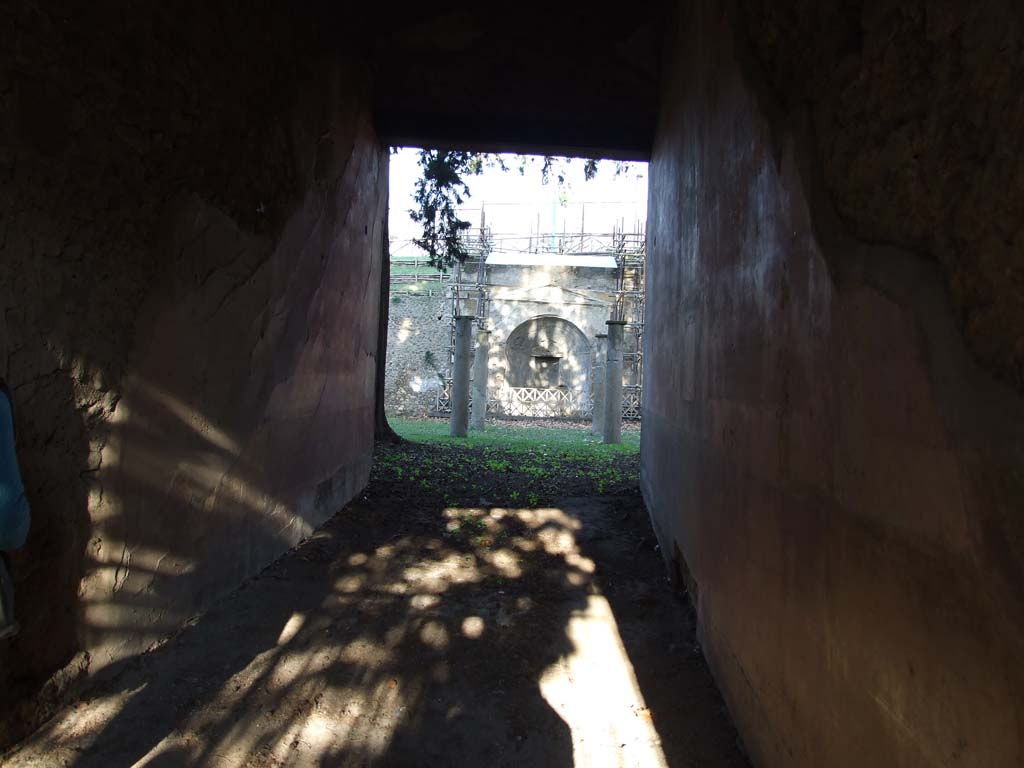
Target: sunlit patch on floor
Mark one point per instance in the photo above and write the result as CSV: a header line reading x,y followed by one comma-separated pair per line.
x,y
595,691
291,629
473,627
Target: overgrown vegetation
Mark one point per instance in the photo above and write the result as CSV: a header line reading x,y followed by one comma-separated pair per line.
x,y
504,466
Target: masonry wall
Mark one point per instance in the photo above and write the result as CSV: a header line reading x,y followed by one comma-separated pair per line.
x,y
192,203
831,457
580,296
419,329
419,343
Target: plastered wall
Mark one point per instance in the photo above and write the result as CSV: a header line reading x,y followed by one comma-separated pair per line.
x,y
191,206
831,467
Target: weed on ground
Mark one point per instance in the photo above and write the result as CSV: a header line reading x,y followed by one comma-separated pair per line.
x,y
515,466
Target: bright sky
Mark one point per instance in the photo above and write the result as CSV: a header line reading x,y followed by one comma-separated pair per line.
x,y
517,204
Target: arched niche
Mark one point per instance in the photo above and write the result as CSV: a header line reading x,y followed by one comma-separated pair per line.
x,y
548,352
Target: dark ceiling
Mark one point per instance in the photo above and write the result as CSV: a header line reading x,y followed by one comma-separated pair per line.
x,y
563,78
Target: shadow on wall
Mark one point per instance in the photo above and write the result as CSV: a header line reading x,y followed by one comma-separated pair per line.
x,y
182,459
57,468
189,516
191,262
123,552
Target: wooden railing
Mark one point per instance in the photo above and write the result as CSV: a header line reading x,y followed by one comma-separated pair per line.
x,y
422,271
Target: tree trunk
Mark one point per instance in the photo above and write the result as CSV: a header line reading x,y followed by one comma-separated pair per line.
x,y
381,429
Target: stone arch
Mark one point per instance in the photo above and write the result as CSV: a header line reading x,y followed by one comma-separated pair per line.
x,y
547,352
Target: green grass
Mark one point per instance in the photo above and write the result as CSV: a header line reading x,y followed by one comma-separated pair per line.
x,y
505,465
571,443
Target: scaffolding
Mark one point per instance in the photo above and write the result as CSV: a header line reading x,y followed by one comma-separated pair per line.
x,y
630,259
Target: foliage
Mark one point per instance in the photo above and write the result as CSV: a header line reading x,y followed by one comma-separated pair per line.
x,y
439,191
442,187
560,167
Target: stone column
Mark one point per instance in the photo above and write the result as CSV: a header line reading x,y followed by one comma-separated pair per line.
x,y
613,387
597,385
460,376
478,413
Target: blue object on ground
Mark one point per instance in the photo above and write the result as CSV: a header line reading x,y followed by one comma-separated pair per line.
x,y
14,512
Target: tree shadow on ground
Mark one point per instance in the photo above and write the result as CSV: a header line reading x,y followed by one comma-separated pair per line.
x,y
408,633
376,641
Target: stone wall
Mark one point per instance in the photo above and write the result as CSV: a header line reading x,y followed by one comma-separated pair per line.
x,y
520,302
583,296
419,331
192,200
831,463
518,295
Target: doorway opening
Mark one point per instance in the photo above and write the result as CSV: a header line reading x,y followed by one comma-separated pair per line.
x,y
551,262
520,550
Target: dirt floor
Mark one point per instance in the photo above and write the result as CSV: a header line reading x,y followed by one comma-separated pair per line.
x,y
473,607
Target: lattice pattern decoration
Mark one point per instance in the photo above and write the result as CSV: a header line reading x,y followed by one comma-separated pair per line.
x,y
546,403
443,404
631,397
443,401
